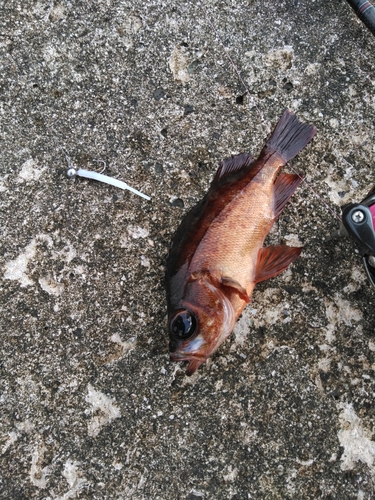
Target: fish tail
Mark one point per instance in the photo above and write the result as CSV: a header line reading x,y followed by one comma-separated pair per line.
x,y
289,136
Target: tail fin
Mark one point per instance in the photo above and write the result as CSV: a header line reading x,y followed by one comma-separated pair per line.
x,y
290,136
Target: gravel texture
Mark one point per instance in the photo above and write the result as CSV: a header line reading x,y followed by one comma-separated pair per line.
x,y
90,405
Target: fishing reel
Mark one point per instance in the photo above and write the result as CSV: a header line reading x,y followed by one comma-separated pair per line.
x,y
358,222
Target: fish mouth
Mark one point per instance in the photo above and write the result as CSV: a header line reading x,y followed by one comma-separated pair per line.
x,y
182,356
194,361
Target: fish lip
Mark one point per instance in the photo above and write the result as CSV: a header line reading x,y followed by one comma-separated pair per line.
x,y
194,362
175,356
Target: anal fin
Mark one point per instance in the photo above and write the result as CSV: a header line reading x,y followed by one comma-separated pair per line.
x,y
284,187
273,260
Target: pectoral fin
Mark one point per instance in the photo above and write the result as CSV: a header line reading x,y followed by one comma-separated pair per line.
x,y
230,282
274,260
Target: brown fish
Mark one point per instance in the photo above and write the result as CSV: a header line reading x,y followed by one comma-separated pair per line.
x,y
217,255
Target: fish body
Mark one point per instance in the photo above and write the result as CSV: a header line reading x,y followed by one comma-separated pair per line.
x,y
217,254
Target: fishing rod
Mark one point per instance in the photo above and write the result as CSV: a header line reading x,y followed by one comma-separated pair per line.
x,y
365,11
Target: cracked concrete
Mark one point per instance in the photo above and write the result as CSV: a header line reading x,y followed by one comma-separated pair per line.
x,y
91,406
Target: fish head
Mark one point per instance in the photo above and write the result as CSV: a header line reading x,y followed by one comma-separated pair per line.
x,y
206,318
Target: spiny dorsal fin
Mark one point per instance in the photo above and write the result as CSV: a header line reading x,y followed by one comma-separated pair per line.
x,y
233,164
284,188
273,260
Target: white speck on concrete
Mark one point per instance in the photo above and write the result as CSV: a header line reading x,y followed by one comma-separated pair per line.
x,y
67,254
123,241
57,13
342,186
355,440
13,436
103,409
232,474
197,493
138,232
16,269
358,277
312,69
178,63
280,58
142,480
324,365
25,426
145,262
125,346
38,474
278,313
243,327
50,53
305,463
75,481
128,27
30,172
293,240
334,123
339,311
2,186
51,286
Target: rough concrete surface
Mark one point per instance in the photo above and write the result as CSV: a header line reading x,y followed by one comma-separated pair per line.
x,y
91,407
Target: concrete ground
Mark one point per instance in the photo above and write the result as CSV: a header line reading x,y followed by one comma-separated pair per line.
x,y
91,407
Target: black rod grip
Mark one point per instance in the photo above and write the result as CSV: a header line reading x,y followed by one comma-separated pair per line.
x,y
365,11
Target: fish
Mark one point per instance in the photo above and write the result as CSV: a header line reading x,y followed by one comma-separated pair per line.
x,y
216,256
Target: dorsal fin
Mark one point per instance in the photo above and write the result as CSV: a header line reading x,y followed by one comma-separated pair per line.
x,y
231,165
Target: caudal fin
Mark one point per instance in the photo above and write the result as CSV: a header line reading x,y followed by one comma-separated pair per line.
x,y
290,136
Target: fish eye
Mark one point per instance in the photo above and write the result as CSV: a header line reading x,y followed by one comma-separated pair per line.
x,y
183,325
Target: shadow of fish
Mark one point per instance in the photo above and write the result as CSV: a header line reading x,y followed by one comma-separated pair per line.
x,y
217,255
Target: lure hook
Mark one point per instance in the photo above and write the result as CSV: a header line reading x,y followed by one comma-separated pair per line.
x,y
104,163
